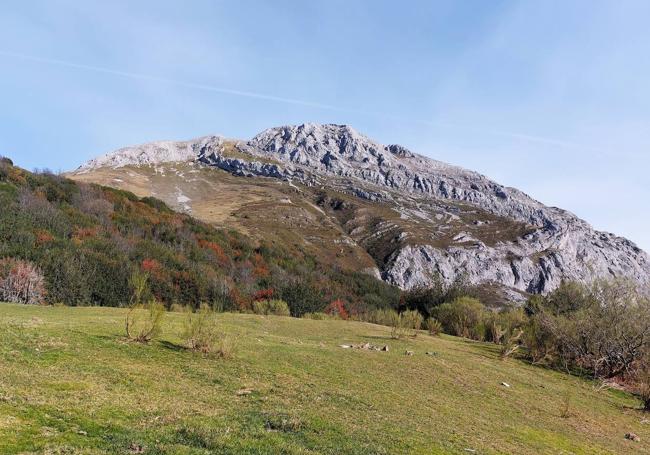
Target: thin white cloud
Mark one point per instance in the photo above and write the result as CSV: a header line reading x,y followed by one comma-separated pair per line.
x,y
305,103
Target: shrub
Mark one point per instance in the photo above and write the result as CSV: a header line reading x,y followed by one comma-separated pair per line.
x,y
510,343
464,317
503,324
21,282
278,307
380,316
427,299
273,307
302,297
317,316
640,379
87,239
406,324
178,308
433,326
412,319
602,329
337,309
226,348
200,330
264,294
144,322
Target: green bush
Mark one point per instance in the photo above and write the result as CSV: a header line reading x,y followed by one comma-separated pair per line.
x,y
503,324
406,324
427,299
271,307
303,297
385,317
464,317
318,316
178,308
433,326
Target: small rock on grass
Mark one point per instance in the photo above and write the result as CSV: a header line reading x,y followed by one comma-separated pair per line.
x,y
632,437
136,448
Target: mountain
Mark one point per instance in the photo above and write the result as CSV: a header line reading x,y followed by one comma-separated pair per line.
x,y
366,206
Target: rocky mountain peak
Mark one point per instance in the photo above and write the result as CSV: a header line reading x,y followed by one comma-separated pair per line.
x,y
550,244
314,144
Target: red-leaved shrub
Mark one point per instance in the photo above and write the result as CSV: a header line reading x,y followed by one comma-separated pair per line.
x,y
21,282
263,294
337,308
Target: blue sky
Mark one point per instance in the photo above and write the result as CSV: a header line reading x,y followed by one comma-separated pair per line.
x,y
552,97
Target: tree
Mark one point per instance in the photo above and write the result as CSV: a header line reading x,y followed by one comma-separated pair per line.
x,y
21,282
603,329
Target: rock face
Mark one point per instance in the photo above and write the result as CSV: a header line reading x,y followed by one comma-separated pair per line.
x,y
554,245
153,153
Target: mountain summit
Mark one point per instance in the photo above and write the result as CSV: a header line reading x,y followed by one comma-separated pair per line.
x,y
404,217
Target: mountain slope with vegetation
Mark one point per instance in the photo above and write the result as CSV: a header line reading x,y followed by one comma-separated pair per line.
x,y
87,240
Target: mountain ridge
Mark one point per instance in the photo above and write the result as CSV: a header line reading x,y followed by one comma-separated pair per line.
x,y
459,213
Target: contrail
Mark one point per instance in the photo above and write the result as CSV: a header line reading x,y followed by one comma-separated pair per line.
x,y
140,76
279,99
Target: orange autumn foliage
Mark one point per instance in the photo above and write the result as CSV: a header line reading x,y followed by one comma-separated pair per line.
x,y
216,249
263,294
43,237
84,233
260,269
337,308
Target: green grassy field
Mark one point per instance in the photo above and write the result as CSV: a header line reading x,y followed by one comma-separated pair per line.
x,y
70,383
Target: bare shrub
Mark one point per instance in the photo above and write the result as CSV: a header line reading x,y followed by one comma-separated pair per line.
x,y
605,333
510,342
21,282
90,199
200,330
143,320
226,347
640,383
566,402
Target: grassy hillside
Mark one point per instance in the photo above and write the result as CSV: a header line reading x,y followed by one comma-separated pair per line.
x,y
70,383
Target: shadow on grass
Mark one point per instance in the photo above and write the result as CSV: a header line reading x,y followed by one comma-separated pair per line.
x,y
112,338
173,346
378,337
